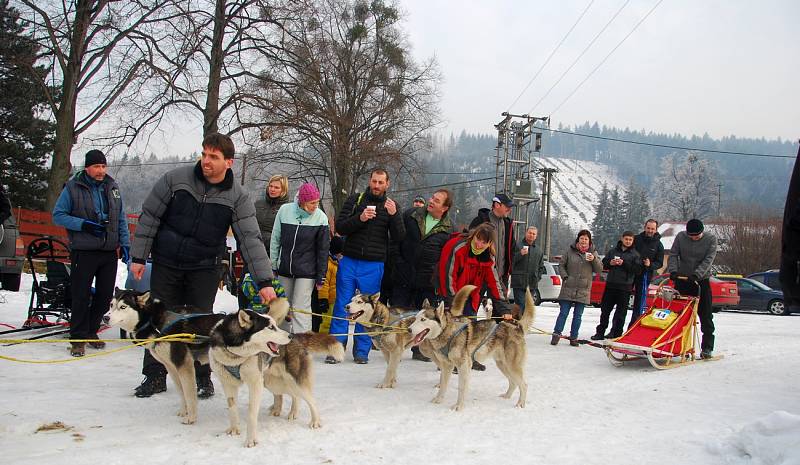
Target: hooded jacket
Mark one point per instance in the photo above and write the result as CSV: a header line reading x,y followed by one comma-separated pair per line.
x,y
693,258
485,216
458,267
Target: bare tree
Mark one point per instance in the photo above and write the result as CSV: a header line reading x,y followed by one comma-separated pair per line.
x,y
346,96
750,239
94,50
687,187
211,65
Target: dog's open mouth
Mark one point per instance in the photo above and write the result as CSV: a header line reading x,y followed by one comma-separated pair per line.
x,y
273,348
354,316
420,337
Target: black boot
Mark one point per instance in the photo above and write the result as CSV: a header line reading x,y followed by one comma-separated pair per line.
x,y
597,337
478,366
417,355
205,388
151,385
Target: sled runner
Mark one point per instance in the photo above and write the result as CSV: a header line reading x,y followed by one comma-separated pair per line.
x,y
665,334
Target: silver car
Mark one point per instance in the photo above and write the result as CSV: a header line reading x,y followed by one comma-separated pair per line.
x,y
549,285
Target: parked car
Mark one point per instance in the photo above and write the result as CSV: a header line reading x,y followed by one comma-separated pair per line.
x,y
769,278
549,285
753,295
724,294
12,255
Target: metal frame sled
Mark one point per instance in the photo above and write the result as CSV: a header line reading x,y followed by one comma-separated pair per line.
x,y
664,347
52,297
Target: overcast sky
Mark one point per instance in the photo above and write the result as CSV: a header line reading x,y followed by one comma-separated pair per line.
x,y
693,66
720,67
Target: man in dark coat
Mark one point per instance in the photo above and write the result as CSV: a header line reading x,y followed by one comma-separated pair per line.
x,y
648,244
623,263
790,243
528,267
366,220
90,208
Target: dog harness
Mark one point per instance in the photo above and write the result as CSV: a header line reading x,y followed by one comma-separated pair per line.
x,y
402,317
235,370
446,349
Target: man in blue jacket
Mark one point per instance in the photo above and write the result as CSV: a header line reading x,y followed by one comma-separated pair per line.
x,y
90,208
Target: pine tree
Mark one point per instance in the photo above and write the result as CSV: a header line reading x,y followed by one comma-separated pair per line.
x,y
26,139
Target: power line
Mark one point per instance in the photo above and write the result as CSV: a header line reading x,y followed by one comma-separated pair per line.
x,y
551,56
606,58
649,144
581,55
444,185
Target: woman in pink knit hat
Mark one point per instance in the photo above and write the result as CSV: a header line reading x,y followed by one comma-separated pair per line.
x,y
299,251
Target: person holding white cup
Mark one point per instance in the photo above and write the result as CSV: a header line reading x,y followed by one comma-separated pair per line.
x,y
576,269
527,267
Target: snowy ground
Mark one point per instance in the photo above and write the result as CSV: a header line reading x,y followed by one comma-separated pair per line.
x,y
743,409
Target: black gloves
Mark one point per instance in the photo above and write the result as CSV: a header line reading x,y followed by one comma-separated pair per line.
x,y
673,276
93,228
694,277
323,306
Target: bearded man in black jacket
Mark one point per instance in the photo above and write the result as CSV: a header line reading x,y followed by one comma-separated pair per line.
x,y
648,244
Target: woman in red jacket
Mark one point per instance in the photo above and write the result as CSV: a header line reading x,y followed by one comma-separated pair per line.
x,y
470,260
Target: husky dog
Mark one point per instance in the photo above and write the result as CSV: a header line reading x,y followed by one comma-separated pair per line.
x,y
371,313
145,317
456,341
291,372
241,345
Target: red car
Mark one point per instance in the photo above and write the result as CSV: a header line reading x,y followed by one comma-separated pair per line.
x,y
724,294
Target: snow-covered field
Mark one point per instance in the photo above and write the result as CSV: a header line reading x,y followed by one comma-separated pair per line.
x,y
743,409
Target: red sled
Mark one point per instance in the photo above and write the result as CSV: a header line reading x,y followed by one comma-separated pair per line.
x,y
665,335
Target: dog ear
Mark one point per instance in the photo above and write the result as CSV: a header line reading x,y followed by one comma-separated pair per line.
x,y
375,297
143,298
278,309
440,312
425,303
244,319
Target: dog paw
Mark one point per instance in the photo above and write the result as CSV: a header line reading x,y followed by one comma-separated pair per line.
x,y
521,404
457,407
505,395
187,420
315,424
182,412
251,442
275,412
292,416
385,385
232,431
437,400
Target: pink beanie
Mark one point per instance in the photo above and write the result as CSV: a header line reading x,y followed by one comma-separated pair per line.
x,y
307,193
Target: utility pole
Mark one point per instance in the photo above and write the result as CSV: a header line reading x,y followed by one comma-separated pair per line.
x,y
518,140
547,174
719,199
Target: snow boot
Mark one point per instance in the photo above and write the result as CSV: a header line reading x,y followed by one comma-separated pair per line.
x,y
151,385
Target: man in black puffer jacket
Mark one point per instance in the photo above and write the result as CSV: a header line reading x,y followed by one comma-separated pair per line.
x,y
648,244
366,220
184,226
622,262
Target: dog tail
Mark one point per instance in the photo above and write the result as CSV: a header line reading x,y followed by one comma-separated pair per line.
x,y
530,310
321,344
278,309
457,309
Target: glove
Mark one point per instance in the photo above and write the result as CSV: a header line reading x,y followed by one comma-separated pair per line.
x,y
673,276
93,228
125,254
323,306
694,277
